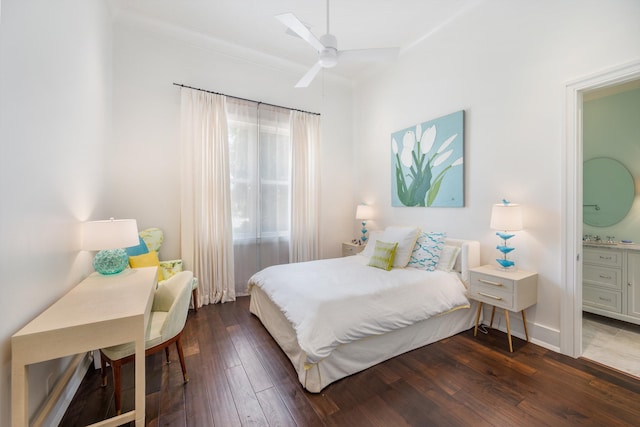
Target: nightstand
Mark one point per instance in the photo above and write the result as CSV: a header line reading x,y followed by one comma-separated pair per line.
x,y
509,290
349,249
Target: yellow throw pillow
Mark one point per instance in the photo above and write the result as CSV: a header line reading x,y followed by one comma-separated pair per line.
x,y
146,260
383,255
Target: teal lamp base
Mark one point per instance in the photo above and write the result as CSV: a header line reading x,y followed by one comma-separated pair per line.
x,y
363,238
505,263
111,261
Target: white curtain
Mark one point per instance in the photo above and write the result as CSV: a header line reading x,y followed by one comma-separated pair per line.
x,y
305,186
259,144
206,234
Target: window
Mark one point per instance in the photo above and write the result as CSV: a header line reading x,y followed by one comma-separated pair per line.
x,y
260,171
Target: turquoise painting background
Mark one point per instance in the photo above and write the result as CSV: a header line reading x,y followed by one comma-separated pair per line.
x,y
437,174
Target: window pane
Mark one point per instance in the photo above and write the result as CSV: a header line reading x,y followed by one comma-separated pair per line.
x,y
260,171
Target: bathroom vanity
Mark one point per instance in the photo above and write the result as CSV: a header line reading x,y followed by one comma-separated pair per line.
x,y
611,280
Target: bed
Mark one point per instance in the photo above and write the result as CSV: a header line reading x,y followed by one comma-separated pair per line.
x,y
318,334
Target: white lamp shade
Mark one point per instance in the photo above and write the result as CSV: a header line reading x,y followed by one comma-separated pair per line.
x,y
364,212
109,234
506,217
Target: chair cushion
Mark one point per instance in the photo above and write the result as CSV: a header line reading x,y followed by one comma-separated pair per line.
x,y
170,268
153,237
147,260
154,337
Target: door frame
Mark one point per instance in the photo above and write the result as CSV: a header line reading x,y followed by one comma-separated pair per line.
x,y
571,226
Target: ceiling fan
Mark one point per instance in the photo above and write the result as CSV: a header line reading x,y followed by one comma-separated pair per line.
x,y
327,48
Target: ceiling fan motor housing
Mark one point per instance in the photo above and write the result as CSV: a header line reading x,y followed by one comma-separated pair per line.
x,y
329,55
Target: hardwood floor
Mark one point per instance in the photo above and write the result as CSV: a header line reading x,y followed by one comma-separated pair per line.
x,y
239,376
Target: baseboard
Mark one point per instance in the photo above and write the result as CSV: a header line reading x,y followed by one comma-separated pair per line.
x,y
58,401
538,334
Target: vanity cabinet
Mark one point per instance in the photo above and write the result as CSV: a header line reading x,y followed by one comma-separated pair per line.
x,y
611,282
633,285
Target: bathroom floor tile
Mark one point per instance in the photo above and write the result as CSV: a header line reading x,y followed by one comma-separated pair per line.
x,y
612,343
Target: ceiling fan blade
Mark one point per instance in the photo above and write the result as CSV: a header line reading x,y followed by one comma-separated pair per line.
x,y
295,25
311,74
381,54
290,32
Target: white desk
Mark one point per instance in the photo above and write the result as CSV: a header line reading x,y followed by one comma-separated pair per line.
x,y
101,311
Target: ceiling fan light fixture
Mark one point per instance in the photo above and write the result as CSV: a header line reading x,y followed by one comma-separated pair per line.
x,y
328,57
329,40
327,48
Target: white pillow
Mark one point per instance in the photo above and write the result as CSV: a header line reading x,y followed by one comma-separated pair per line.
x,y
426,252
406,238
371,242
448,258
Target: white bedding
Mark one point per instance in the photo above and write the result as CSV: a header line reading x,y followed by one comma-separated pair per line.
x,y
339,301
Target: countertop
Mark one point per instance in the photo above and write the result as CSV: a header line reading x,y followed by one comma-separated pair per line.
x,y
618,245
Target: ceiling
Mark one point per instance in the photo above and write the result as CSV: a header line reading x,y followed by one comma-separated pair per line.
x,y
251,24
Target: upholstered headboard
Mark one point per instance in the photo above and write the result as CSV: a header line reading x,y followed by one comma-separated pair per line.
x,y
469,256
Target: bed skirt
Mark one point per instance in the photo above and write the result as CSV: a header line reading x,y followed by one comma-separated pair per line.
x,y
348,359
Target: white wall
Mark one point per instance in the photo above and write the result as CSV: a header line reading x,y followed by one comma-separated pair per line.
x,y
506,64
55,109
145,180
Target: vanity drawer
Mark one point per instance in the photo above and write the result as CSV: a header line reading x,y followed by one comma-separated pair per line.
x,y
605,257
602,298
602,276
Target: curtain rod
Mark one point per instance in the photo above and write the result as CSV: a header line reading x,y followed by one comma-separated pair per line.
x,y
244,99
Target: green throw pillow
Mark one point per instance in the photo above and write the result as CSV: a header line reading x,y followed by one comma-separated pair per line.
x,y
383,255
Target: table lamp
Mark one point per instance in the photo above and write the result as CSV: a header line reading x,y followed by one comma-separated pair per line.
x,y
109,237
506,217
364,212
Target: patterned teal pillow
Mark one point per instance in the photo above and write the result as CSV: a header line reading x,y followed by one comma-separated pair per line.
x,y
383,255
426,252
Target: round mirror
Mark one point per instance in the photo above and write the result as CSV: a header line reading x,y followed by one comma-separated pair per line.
x,y
607,192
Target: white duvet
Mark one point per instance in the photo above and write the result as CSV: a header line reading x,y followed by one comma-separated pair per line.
x,y
337,301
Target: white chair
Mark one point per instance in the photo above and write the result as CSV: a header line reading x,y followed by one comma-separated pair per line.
x,y
166,322
154,237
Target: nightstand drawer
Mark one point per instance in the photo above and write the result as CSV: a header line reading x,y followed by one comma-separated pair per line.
x,y
602,298
349,249
502,298
602,276
488,283
513,290
491,289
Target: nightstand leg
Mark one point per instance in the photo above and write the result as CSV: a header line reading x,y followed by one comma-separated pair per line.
x,y
493,313
475,330
524,322
506,316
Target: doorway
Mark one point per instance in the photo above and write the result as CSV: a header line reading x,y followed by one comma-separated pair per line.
x,y
571,314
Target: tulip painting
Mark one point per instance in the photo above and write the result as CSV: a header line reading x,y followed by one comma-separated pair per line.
x,y
427,163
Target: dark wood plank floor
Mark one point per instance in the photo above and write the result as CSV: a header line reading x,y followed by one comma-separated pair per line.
x,y
239,376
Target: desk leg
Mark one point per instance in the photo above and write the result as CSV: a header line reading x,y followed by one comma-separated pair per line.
x,y
19,394
506,316
493,313
475,330
524,322
140,382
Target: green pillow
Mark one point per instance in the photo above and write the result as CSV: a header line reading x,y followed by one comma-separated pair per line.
x,y
383,255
